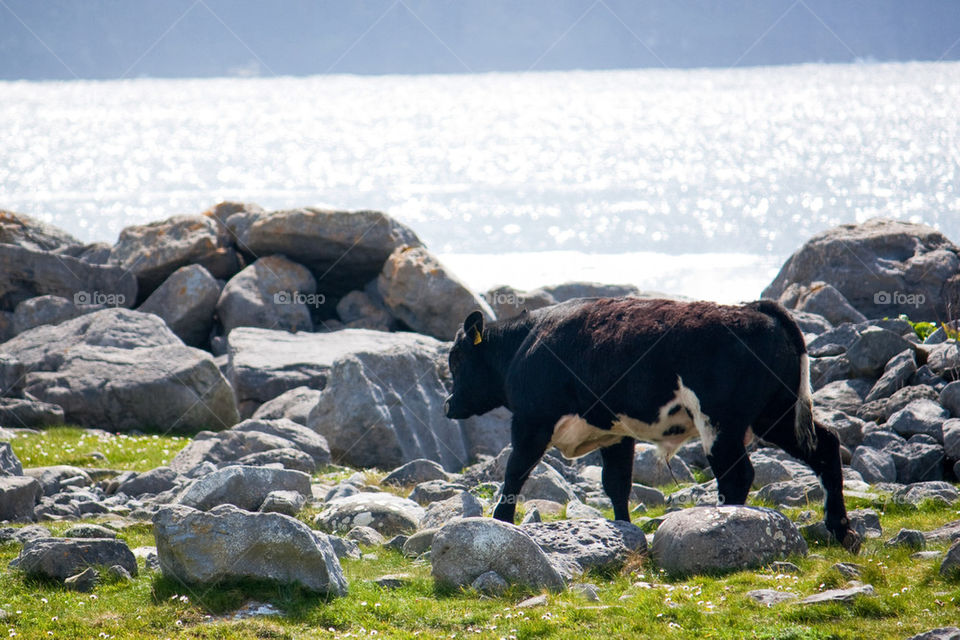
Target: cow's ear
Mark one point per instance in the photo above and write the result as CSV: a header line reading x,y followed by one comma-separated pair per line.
x,y
473,327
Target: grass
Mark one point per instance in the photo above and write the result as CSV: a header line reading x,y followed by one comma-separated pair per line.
x,y
86,448
910,595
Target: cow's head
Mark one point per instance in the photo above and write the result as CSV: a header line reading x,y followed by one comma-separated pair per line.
x,y
476,386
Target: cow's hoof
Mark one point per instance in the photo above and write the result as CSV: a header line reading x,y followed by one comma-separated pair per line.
x,y
851,542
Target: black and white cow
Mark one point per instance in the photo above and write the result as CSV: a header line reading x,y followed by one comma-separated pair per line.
x,y
600,373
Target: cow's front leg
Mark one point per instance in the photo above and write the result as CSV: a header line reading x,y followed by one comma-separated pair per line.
x,y
529,441
618,476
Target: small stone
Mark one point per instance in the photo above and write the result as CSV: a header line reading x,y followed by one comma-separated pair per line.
x,y
535,601
848,570
84,581
951,563
532,515
490,584
576,510
393,580
89,531
366,535
909,538
586,591
116,573
419,543
770,597
840,595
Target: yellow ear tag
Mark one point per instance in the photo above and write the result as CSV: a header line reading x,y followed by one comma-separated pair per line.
x,y
477,338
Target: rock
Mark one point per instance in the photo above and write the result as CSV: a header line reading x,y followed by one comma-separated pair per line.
x,y
487,434
833,342
286,502
792,493
696,495
465,549
874,465
881,410
770,597
30,413
383,404
706,539
6,332
154,481
18,497
843,395
463,505
919,492
943,633
434,491
388,514
266,546
873,350
926,376
343,547
41,310
244,487
576,510
649,496
811,323
9,463
580,289
490,584
264,364
393,580
650,469
84,581
61,558
366,535
840,595
25,231
944,360
286,457
531,516
508,302
272,293
535,601
28,274
768,470
586,591
909,538
883,267
896,375
55,478
21,535
848,428
823,299
422,294
154,251
304,439
222,449
171,388
920,416
295,404
951,563
186,301
343,249
116,573
419,543
576,546
415,472
87,530
918,460
359,310
545,483
951,438
825,370
950,398
848,569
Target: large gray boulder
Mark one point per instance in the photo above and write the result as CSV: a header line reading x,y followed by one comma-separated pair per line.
x,y
243,487
294,405
46,310
19,412
304,439
575,546
28,232
186,301
25,273
843,395
383,403
896,375
822,299
172,388
944,360
710,539
19,496
9,463
883,267
462,505
920,416
875,347
421,293
919,459
61,558
874,465
225,543
272,293
465,549
386,513
343,249
154,251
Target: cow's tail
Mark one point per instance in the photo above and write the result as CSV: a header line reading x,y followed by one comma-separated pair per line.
x,y
803,425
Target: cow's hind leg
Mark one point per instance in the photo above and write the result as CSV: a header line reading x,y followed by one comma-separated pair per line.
x,y
618,476
824,459
731,466
529,441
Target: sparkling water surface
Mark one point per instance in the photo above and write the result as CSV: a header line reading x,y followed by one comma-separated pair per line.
x,y
698,182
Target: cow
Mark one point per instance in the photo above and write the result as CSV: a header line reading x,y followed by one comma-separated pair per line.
x,y
601,373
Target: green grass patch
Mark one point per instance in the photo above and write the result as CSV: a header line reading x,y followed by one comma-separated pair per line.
x,y
86,448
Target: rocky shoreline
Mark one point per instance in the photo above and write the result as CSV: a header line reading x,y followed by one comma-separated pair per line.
x,y
298,346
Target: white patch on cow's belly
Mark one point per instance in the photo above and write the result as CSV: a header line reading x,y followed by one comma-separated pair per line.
x,y
677,421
